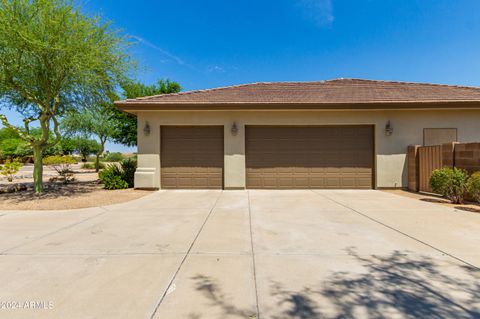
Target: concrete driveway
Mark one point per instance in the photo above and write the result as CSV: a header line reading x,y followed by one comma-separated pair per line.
x,y
243,254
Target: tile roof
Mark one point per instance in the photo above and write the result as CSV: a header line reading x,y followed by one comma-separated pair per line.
x,y
338,91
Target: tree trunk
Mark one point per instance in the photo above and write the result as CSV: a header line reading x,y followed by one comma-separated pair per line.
x,y
100,152
97,163
37,169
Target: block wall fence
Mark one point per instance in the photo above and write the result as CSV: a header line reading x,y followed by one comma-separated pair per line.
x,y
422,160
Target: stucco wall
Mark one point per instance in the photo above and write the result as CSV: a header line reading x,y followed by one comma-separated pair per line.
x,y
391,166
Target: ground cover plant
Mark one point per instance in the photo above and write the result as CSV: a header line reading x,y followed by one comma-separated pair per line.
x,y
10,168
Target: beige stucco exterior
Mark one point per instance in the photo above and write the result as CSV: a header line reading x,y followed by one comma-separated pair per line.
x,y
390,151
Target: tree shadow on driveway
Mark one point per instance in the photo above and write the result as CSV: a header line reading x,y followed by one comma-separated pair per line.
x,y
211,290
397,285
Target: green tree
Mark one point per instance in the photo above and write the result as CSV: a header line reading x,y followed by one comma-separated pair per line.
x,y
126,124
85,147
8,147
66,146
52,59
92,121
9,141
7,133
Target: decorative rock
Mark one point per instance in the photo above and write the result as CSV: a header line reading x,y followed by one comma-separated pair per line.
x,y
13,188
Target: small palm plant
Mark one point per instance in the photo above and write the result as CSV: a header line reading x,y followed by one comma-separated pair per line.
x,y
10,168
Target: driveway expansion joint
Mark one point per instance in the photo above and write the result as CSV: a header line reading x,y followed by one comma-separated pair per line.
x,y
159,303
253,256
398,231
97,254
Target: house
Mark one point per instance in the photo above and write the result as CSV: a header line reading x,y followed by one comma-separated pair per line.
x,y
343,133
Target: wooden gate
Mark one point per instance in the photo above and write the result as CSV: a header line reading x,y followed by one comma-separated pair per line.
x,y
429,159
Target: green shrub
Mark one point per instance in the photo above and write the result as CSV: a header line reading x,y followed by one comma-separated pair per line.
x,y
450,183
113,157
111,178
119,176
59,160
129,166
62,165
92,165
10,168
473,186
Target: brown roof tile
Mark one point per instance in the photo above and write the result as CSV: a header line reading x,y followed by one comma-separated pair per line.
x,y
339,91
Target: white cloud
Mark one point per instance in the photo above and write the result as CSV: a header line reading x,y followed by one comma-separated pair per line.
x,y
157,48
320,11
216,68
167,56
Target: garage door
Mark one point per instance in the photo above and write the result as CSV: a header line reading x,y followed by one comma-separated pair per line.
x,y
309,157
191,157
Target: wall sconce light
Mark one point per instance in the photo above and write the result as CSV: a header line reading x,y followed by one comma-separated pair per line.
x,y
388,129
146,129
234,129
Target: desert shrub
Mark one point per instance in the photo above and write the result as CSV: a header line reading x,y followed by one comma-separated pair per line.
x,y
112,178
450,183
129,167
119,176
92,165
10,168
473,186
113,157
62,165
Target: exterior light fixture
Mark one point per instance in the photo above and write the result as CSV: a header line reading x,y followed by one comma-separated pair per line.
x,y
146,129
388,129
234,129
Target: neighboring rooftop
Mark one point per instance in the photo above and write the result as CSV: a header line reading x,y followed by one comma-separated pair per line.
x,y
338,91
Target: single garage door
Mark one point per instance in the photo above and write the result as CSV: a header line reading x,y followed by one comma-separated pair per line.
x,y
309,157
191,157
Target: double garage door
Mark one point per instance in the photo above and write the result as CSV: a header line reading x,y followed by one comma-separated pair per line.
x,y
277,157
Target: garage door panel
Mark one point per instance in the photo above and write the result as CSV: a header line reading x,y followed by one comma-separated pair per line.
x,y
268,182
299,181
333,182
349,182
191,157
301,170
317,182
309,157
364,182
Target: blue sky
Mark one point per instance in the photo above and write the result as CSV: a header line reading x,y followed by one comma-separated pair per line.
x,y
204,44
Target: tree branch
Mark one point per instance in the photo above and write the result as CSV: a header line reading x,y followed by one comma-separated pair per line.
x,y
26,123
45,126
24,93
22,134
56,130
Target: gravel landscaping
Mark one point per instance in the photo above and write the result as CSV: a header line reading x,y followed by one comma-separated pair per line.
x,y
85,191
430,198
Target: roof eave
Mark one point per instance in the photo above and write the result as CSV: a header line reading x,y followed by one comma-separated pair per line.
x,y
132,107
